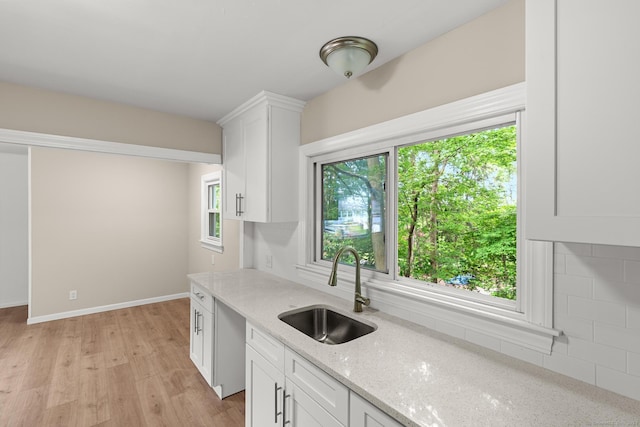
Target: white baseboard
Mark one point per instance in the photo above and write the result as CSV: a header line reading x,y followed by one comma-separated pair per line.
x,y
13,304
100,309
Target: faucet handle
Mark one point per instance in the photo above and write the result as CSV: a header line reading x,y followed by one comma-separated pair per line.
x,y
359,300
363,300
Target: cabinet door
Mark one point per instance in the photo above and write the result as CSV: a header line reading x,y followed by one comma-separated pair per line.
x,y
581,151
201,350
196,341
257,159
234,168
264,392
302,411
364,414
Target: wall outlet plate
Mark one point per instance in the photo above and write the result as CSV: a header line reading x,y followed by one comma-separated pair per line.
x,y
73,295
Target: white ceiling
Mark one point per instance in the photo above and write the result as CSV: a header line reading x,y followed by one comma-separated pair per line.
x,y
202,58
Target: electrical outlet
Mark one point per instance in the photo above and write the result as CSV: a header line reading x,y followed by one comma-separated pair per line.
x,y
213,259
269,261
73,295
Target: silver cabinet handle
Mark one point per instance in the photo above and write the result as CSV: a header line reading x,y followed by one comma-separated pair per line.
x,y
199,295
199,329
239,210
275,402
195,321
284,406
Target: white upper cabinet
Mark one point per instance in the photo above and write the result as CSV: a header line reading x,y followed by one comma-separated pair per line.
x,y
581,149
260,159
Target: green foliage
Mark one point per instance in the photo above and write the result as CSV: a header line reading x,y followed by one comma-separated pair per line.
x,y
457,210
361,183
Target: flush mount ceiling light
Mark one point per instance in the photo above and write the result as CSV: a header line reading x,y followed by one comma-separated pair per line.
x,y
348,55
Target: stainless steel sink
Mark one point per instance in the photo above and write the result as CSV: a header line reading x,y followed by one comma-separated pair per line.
x,y
326,325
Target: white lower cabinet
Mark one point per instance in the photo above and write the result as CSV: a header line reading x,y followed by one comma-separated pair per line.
x,y
284,389
364,414
217,343
201,343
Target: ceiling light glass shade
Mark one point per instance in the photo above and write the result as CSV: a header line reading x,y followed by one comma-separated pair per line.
x,y
348,56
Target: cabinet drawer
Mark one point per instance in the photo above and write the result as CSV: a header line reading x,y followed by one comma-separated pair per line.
x,y
203,297
320,386
270,348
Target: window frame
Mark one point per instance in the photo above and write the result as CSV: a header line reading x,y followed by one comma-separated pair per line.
x,y
318,206
206,240
528,322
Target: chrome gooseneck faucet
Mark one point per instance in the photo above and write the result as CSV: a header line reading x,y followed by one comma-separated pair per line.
x,y
333,278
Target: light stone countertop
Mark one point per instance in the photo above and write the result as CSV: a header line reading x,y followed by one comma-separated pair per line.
x,y
419,376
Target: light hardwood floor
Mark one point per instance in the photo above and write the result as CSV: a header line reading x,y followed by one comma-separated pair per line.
x,y
121,368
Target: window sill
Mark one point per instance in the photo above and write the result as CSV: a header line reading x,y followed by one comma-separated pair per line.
x,y
487,326
211,246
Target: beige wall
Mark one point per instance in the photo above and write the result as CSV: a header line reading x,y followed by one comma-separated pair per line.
x,y
36,110
484,54
114,228
200,258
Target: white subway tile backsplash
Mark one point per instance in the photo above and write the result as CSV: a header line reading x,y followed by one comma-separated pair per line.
x,y
599,354
559,263
560,304
573,285
560,345
624,293
573,248
603,268
633,364
597,306
521,353
573,327
626,339
601,311
632,272
621,252
633,318
617,381
576,368
450,329
483,339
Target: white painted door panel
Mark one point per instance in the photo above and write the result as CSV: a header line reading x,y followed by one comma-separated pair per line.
x,y
264,392
234,168
580,148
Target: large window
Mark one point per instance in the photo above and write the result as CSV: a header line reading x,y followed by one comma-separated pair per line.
x,y
434,203
455,212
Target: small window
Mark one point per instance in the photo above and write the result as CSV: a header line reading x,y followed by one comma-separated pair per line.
x,y
211,232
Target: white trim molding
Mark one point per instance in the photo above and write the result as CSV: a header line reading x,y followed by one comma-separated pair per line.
x,y
35,139
102,308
